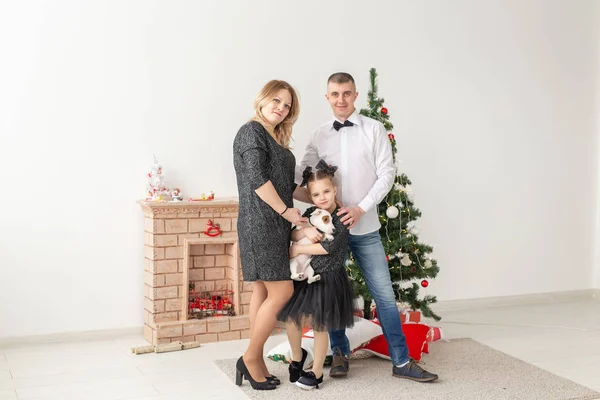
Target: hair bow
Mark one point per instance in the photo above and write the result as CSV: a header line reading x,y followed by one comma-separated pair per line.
x,y
328,169
306,176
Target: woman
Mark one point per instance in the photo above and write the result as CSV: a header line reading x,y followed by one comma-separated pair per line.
x,y
264,167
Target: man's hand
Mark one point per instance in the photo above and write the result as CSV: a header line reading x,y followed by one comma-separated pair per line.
x,y
352,216
313,234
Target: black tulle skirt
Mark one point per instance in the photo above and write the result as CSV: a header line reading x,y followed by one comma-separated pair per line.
x,y
325,305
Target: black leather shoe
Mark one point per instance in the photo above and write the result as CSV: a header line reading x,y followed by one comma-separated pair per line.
x,y
296,367
414,372
339,365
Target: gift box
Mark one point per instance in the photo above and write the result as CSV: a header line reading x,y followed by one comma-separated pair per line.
x,y
410,316
365,338
435,334
405,315
416,340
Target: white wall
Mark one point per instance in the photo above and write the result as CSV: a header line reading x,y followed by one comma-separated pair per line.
x,y
597,231
493,105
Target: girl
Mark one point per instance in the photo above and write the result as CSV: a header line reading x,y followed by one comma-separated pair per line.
x,y
325,304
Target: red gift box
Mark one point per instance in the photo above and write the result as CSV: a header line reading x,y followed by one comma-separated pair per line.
x,y
410,316
418,336
416,340
434,334
405,315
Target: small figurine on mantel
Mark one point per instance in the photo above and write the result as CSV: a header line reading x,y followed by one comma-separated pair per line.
x,y
176,195
157,191
204,197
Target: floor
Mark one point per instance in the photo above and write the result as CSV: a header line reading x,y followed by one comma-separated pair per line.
x,y
562,337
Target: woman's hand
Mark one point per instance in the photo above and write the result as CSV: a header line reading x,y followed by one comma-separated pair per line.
x,y
294,216
313,234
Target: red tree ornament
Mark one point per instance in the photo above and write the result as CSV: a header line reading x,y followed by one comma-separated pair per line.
x,y
391,136
424,283
387,257
384,110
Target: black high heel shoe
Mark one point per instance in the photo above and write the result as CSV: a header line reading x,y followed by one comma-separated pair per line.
x,y
297,367
241,373
273,379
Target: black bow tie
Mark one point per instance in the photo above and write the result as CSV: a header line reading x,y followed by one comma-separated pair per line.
x,y
337,124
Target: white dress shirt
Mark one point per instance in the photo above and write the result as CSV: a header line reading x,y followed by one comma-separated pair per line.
x,y
366,170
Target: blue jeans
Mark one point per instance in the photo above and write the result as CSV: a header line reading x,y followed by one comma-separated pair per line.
x,y
370,256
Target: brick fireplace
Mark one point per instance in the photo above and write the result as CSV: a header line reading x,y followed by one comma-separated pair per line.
x,y
177,252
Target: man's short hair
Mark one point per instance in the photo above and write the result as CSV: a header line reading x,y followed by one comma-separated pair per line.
x,y
341,77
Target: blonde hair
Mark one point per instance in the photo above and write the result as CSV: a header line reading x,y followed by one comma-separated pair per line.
x,y
283,130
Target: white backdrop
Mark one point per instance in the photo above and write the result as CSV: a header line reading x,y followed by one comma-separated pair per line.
x,y
493,105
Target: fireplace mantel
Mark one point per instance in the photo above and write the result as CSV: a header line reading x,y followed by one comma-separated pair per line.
x,y
223,204
176,252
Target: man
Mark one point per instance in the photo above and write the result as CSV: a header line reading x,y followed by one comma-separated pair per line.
x,y
360,147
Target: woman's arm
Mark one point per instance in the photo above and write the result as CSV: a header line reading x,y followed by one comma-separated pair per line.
x,y
250,143
268,194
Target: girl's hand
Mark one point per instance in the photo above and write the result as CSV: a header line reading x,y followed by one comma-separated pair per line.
x,y
294,216
294,251
313,234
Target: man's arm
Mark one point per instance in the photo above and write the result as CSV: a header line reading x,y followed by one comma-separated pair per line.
x,y
311,158
311,155
386,170
386,173
301,194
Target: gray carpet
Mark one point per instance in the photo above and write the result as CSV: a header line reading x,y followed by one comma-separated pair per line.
x,y
467,370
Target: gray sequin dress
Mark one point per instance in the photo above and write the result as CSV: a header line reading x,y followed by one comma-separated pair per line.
x,y
264,235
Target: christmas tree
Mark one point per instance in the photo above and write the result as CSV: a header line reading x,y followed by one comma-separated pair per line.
x,y
408,258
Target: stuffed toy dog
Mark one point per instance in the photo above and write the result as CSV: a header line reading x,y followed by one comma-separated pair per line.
x,y
300,265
